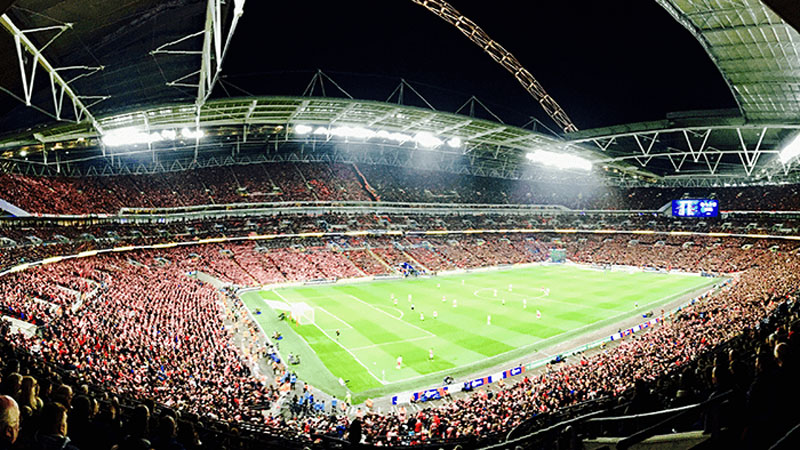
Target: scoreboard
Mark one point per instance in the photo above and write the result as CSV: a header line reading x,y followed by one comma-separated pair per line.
x,y
695,208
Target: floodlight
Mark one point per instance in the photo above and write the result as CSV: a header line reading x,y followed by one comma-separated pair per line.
x,y
398,137
560,160
128,136
354,132
169,134
321,130
302,129
193,134
23,153
454,142
791,150
426,139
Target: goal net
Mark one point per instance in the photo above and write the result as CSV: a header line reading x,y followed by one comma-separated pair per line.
x,y
303,313
558,255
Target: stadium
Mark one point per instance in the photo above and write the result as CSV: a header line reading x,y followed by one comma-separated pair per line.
x,y
204,248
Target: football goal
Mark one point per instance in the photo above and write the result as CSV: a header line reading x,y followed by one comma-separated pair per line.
x,y
303,313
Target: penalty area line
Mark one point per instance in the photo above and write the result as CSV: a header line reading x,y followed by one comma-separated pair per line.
x,y
335,317
402,341
390,315
340,345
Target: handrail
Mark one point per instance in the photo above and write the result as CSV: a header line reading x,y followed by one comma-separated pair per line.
x,y
549,429
641,435
643,415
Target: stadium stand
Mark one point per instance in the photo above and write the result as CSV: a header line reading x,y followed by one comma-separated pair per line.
x,y
339,182
132,341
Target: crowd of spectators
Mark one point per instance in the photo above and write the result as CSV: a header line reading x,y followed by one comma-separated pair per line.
x,y
223,185
151,333
275,182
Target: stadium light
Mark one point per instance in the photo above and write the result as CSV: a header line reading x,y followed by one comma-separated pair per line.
x,y
426,139
454,142
353,132
560,160
423,138
397,137
192,134
302,129
791,151
129,136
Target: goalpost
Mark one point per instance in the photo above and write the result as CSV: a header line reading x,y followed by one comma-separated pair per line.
x,y
303,313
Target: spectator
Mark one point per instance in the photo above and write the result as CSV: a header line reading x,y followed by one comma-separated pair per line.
x,y
9,422
29,395
53,429
166,438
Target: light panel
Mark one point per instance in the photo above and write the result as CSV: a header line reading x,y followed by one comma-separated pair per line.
x,y
560,160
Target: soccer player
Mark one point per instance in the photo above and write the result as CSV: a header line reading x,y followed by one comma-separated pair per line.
x,y
504,301
495,292
524,303
430,355
422,317
510,288
435,314
538,314
636,305
438,285
444,298
462,282
399,361
395,302
488,319
409,297
412,306
454,303
338,333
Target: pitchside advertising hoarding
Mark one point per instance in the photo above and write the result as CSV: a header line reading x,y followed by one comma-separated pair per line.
x,y
699,207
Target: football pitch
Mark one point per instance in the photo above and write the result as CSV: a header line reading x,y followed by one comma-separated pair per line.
x,y
471,321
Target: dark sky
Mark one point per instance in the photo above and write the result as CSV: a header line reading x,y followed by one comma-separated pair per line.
x,y
605,62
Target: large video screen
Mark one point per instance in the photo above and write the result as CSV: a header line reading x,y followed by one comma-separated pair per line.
x,y
695,208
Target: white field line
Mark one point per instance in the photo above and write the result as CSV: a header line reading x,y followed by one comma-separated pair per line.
x,y
396,309
337,343
540,298
401,341
393,317
335,317
619,316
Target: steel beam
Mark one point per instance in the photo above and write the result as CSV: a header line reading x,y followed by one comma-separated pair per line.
x,y
58,85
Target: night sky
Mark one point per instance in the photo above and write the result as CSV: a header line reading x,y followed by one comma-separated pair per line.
x,y
605,62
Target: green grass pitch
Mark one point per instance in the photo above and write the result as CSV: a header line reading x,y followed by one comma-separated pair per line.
x,y
374,331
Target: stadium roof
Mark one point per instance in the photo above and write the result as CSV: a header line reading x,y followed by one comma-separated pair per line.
x,y
485,147
115,61
757,52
